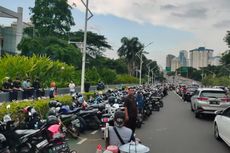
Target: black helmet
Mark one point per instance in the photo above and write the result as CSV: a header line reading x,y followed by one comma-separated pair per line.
x,y
119,118
111,100
55,103
52,120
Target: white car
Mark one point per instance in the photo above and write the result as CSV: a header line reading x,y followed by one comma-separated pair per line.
x,y
209,100
222,125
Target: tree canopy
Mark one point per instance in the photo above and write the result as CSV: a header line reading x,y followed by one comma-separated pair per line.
x,y
96,43
128,50
52,17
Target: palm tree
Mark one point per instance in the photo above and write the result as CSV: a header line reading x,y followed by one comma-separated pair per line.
x,y
128,50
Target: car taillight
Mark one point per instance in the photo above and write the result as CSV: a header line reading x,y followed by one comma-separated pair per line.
x,y
202,99
225,99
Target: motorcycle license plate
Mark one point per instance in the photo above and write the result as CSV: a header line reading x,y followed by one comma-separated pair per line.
x,y
61,147
42,144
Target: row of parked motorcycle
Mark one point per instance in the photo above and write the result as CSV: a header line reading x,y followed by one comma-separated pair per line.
x,y
35,135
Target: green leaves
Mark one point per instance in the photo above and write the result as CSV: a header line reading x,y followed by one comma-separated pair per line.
x,y
52,17
37,66
54,48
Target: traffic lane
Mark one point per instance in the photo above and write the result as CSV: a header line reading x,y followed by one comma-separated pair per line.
x,y
87,142
175,129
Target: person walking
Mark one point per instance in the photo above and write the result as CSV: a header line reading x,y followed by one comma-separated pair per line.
x,y
72,87
130,110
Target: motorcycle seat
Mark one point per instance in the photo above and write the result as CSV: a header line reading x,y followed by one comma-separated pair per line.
x,y
63,116
88,112
26,132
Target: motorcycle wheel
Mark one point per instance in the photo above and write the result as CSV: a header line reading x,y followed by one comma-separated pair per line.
x,y
83,124
74,131
95,123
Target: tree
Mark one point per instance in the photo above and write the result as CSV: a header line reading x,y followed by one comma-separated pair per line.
x,y
95,43
225,59
52,17
128,50
227,38
52,47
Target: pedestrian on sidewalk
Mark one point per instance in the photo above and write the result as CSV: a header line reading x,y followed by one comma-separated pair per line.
x,y
72,87
130,110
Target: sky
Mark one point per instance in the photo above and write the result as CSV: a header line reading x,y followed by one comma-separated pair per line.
x,y
172,25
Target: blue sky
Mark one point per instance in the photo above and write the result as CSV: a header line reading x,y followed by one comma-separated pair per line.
x,y
169,24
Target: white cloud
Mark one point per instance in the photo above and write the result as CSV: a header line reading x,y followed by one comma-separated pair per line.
x,y
208,20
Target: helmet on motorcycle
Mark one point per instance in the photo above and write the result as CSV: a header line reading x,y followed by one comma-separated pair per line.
x,y
55,103
119,118
52,120
64,109
80,100
52,112
111,100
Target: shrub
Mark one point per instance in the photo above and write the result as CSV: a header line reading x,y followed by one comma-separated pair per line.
x,y
40,105
37,66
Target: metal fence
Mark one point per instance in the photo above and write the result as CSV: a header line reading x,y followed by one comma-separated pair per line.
x,y
4,96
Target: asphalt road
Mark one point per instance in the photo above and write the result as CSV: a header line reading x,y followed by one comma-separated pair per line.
x,y
172,130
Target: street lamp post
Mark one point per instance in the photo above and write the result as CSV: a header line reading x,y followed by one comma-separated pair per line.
x,y
153,76
84,43
141,52
149,70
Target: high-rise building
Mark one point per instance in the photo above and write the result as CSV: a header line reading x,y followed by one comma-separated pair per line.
x,y
183,58
169,58
175,64
200,57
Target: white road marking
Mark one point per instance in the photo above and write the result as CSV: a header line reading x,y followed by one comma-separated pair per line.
x,y
82,141
94,132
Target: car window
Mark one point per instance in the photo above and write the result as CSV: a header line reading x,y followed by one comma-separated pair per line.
x,y
227,112
215,94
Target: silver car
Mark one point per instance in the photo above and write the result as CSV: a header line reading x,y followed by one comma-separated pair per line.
x,y
209,100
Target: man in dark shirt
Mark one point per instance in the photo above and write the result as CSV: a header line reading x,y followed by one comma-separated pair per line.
x,y
7,86
130,110
37,86
16,88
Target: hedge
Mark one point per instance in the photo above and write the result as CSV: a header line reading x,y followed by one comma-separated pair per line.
x,y
41,106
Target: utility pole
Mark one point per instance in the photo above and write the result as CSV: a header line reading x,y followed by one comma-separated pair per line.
x,y
84,43
139,55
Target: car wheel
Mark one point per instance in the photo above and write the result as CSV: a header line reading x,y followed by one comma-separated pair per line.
x,y
216,132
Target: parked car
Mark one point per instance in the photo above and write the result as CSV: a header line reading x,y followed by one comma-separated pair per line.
x,y
209,100
221,126
188,93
